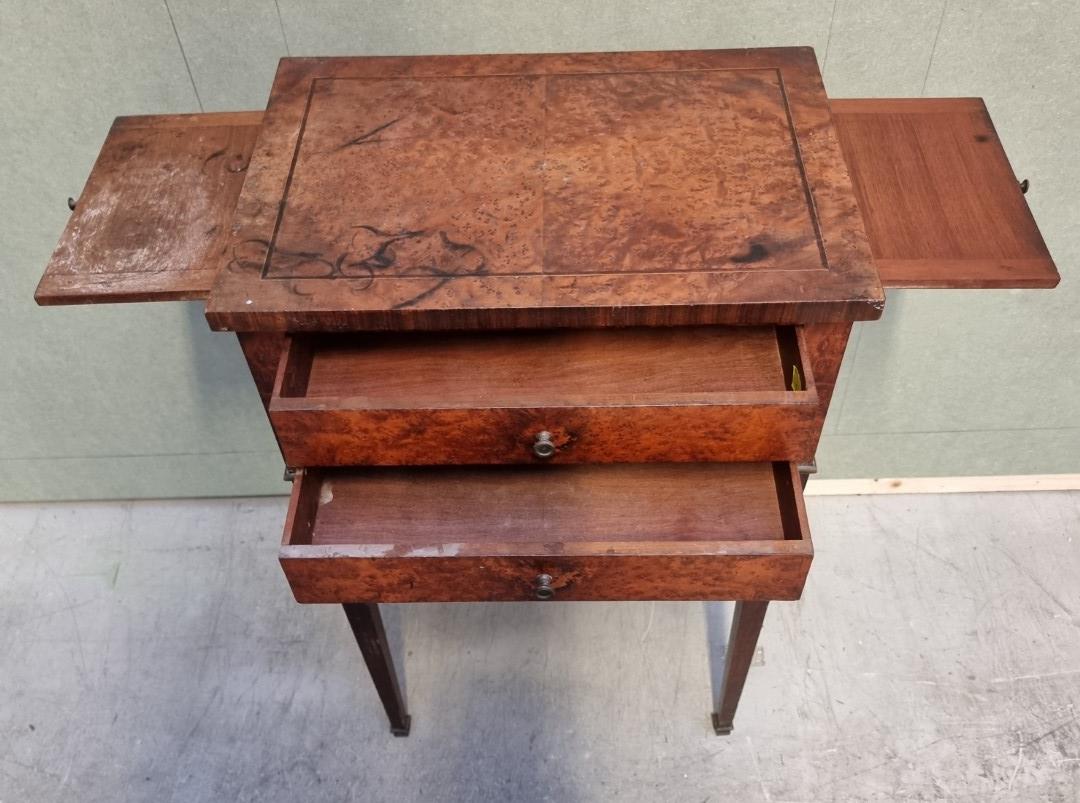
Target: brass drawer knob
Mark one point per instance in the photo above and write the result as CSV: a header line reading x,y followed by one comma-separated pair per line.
x,y
543,587
543,447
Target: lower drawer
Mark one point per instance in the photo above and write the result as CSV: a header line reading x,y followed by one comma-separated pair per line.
x,y
570,532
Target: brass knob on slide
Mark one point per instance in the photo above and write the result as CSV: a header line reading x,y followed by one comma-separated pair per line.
x,y
543,587
543,446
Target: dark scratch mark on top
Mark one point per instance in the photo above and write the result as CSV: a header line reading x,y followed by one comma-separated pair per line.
x,y
440,257
396,235
367,138
756,253
444,278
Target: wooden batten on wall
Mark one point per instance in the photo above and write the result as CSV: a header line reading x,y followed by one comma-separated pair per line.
x,y
943,485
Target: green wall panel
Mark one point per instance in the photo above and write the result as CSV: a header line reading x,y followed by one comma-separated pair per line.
x,y
143,401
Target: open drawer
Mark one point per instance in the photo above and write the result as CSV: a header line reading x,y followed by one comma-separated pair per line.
x,y
562,396
940,203
624,532
153,222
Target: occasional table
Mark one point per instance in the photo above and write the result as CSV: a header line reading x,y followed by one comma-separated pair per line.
x,y
548,327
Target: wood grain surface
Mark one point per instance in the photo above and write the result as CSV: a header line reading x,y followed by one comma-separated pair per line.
x,y
153,221
263,350
941,204
701,531
610,189
582,367
825,346
604,396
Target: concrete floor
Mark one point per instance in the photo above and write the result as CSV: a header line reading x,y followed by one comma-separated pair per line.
x,y
152,651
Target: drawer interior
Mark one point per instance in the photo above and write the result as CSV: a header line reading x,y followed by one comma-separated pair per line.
x,y
940,202
542,509
580,368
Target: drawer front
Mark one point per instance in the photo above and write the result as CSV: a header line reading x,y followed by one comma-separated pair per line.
x,y
567,435
662,532
352,578
706,394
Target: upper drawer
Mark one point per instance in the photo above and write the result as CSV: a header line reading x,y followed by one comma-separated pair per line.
x,y
692,531
154,218
592,396
941,204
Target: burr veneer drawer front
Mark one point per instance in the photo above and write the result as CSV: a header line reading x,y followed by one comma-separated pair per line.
x,y
558,396
614,532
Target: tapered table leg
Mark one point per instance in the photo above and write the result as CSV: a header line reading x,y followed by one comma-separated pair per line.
x,y
745,627
367,626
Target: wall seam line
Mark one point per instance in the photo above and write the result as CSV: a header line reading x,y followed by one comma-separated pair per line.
x,y
933,47
183,55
